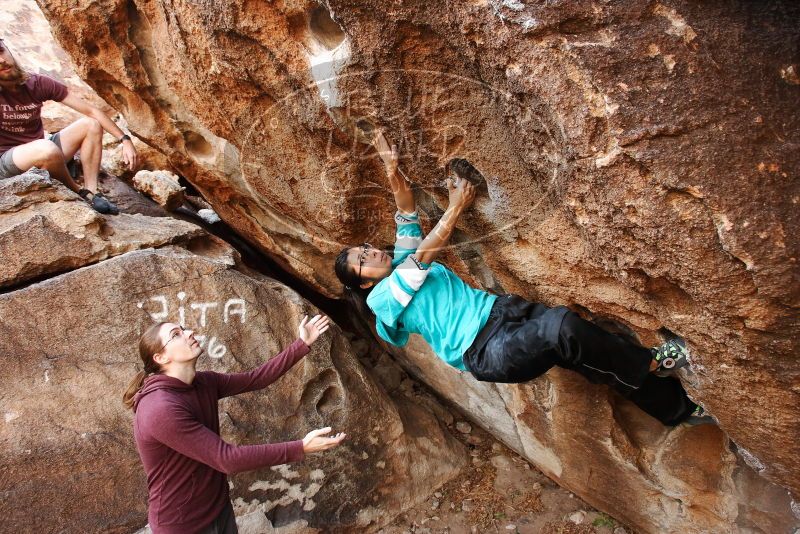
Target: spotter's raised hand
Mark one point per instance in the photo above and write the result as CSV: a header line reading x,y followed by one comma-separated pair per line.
x,y
311,329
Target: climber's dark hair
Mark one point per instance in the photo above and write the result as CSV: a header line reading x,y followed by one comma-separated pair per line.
x,y
354,295
347,276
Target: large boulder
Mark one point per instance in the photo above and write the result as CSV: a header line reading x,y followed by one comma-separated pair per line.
x,y
596,444
640,160
45,229
68,347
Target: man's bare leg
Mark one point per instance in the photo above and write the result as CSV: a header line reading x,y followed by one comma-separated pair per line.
x,y
44,154
85,135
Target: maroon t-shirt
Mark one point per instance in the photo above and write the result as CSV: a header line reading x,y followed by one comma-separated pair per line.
x,y
176,428
21,109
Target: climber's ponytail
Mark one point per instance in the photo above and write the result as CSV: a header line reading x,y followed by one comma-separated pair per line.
x,y
149,345
133,388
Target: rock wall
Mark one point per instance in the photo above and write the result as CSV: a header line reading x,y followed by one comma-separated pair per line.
x,y
641,162
68,347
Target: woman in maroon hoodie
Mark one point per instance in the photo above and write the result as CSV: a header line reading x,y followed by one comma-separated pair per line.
x,y
176,427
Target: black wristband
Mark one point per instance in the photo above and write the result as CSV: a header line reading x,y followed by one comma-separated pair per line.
x,y
124,137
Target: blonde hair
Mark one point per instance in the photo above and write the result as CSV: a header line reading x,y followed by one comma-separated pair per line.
x,y
149,345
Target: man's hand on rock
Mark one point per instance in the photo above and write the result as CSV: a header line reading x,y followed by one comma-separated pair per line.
x,y
129,155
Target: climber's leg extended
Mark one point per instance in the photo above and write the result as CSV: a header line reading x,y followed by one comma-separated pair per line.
x,y
522,340
607,358
602,357
663,398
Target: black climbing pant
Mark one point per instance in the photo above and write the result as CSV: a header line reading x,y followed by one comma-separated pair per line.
x,y
522,340
225,522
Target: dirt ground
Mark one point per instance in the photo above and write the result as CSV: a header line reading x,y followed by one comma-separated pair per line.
x,y
501,493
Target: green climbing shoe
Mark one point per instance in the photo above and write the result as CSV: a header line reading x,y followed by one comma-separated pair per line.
x,y
670,356
699,417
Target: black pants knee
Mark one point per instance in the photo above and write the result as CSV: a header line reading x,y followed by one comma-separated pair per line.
x,y
518,343
600,356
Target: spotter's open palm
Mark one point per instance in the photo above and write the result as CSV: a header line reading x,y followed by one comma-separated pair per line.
x,y
310,330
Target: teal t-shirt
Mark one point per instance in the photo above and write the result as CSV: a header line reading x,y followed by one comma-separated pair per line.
x,y
429,300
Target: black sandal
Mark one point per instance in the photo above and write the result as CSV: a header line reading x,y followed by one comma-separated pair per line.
x,y
99,202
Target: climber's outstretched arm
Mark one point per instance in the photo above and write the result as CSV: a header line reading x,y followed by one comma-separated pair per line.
x,y
461,197
401,189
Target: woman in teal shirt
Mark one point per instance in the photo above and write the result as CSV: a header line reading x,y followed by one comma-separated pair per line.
x,y
497,339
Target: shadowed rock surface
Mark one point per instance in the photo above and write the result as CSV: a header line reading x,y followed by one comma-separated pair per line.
x,y
641,162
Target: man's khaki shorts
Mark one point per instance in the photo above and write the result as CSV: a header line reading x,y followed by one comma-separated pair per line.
x,y
7,167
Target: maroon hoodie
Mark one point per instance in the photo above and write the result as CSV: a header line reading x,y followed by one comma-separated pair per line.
x,y
176,428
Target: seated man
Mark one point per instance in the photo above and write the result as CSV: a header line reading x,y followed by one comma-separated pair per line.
x,y
22,141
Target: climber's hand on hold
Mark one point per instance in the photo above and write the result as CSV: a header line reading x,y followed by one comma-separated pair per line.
x,y
396,180
315,441
388,154
461,194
